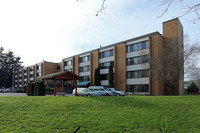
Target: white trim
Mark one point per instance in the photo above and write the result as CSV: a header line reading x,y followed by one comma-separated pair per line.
x,y
106,49
86,54
68,59
137,41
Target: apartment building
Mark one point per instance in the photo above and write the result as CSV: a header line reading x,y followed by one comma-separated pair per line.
x,y
31,73
130,60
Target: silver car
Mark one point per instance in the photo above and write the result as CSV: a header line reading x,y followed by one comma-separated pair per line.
x,y
85,92
102,91
119,93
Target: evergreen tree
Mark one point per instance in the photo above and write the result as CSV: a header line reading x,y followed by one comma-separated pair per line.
x,y
110,77
192,88
97,81
8,64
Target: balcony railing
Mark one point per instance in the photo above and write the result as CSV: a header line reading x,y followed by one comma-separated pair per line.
x,y
31,72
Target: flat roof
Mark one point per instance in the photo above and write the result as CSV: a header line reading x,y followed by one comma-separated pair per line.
x,y
132,39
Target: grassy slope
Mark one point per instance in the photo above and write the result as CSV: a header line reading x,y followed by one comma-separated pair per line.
x,y
100,114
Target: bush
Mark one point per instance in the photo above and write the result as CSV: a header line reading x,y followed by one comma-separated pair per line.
x,y
192,88
36,89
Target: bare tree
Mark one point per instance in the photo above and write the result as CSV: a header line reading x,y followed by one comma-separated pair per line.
x,y
195,76
173,59
187,8
101,9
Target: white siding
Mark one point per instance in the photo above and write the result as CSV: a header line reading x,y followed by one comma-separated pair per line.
x,y
104,82
107,59
137,67
68,67
84,73
84,64
137,81
137,53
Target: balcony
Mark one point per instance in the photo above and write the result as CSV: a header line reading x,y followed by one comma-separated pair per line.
x,y
15,86
20,80
25,79
15,76
20,75
25,73
31,72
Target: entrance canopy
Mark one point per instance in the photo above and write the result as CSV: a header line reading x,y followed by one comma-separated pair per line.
x,y
62,77
83,84
66,75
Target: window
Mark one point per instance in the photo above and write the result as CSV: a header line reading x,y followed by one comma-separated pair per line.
x,y
85,59
38,67
137,60
137,46
106,65
137,88
58,67
68,63
84,68
104,76
106,54
85,78
38,74
138,74
31,69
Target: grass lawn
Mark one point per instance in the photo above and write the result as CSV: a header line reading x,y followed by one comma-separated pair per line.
x,y
100,114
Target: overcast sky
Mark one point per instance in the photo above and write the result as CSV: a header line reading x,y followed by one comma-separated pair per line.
x,y
51,30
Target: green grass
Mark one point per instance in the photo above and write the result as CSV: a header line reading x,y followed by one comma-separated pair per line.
x,y
100,114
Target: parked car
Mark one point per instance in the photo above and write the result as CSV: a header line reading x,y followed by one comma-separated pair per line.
x,y
6,90
102,91
118,93
1,90
85,92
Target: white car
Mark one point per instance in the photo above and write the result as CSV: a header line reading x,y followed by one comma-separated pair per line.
x,y
119,93
85,92
102,91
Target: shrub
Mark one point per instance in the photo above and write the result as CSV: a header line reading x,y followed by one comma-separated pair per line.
x,y
111,77
36,89
97,80
192,88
